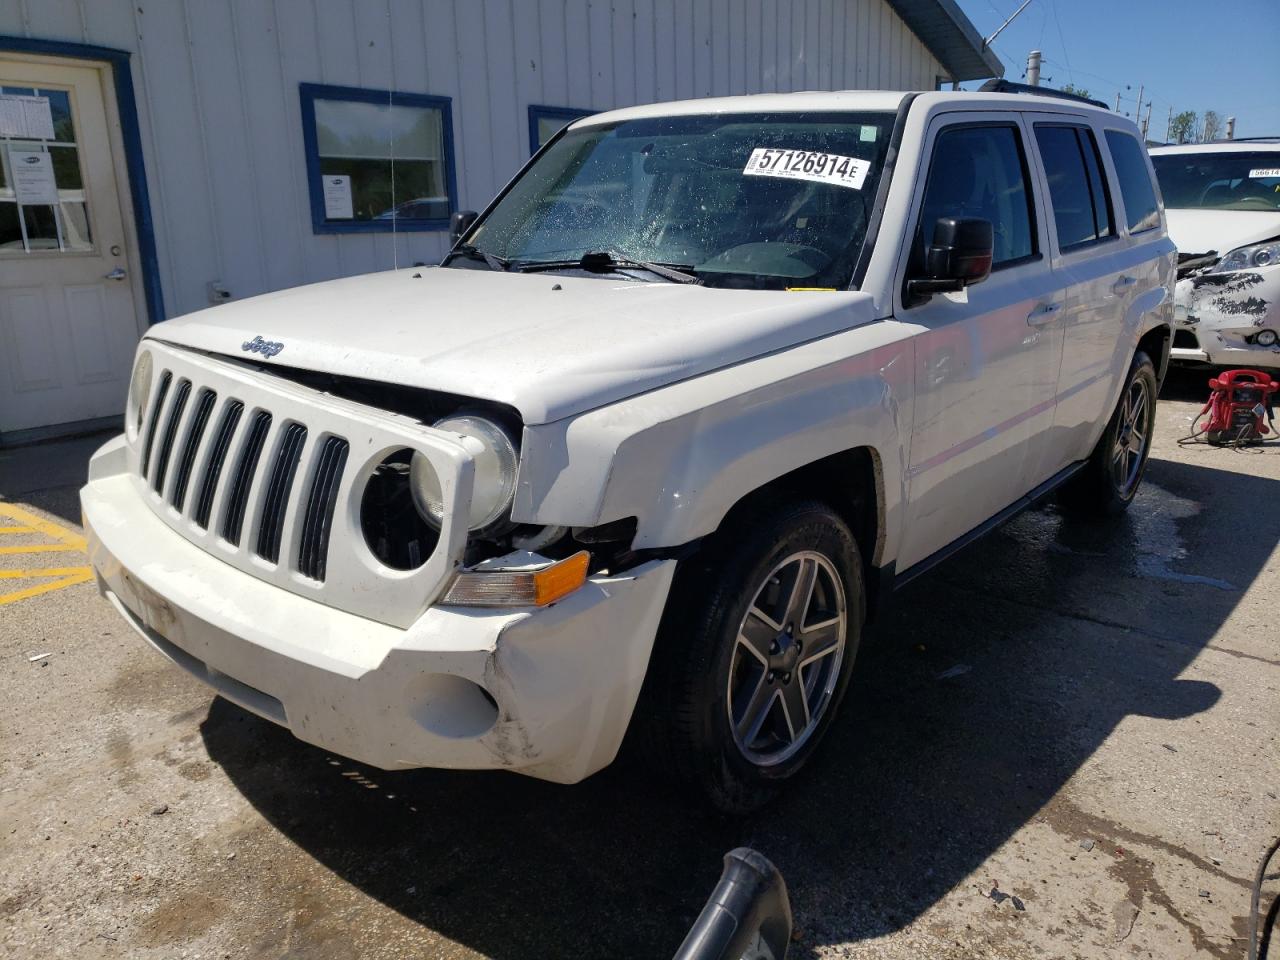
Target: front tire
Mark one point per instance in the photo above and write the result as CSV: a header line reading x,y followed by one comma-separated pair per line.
x,y
1111,478
754,654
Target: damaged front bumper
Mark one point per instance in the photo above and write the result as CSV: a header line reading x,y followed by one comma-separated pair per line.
x,y
1218,317
546,692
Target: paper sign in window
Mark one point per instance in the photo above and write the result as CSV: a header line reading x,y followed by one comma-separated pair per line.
x,y
25,117
33,181
811,165
337,197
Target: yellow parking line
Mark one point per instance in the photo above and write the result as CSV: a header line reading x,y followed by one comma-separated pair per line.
x,y
42,548
64,542
46,572
37,524
65,577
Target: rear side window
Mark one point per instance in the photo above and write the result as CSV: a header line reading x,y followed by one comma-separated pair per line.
x,y
1081,206
981,172
1139,195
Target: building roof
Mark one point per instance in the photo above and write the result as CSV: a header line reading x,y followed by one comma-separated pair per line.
x,y
950,36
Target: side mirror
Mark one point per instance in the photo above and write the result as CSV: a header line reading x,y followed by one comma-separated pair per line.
x,y
459,223
959,255
748,916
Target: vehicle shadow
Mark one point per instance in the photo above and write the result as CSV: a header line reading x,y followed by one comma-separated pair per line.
x,y
976,699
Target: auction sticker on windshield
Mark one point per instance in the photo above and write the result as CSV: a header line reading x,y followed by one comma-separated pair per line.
x,y
807,165
1264,172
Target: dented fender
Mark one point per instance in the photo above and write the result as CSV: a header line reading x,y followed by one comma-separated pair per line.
x,y
679,458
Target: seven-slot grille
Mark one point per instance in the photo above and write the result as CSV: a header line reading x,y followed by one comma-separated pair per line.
x,y
196,445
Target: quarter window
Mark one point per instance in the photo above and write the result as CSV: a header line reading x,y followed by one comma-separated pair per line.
x,y
1081,207
981,172
377,159
1140,205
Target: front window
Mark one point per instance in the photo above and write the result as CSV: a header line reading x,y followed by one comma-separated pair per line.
x,y
765,201
1239,180
377,160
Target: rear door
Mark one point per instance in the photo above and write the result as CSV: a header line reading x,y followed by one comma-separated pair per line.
x,y
986,360
1088,255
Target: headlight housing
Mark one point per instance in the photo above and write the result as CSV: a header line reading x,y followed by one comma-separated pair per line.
x,y
139,392
1257,255
495,472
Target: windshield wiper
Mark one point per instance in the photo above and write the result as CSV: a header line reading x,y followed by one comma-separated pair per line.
x,y
473,253
603,261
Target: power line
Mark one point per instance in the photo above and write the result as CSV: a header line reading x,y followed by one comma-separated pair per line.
x,y
1062,40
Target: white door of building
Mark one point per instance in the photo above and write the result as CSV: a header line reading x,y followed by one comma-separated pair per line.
x,y
69,303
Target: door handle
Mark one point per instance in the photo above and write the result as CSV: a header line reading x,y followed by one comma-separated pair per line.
x,y
1123,283
116,274
1043,314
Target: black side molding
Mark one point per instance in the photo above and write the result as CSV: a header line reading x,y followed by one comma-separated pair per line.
x,y
900,580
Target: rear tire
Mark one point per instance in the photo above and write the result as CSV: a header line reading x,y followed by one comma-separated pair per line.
x,y
754,654
1111,478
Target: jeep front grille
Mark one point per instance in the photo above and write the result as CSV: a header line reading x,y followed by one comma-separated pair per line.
x,y
242,480
263,474
204,404
314,546
217,457
271,526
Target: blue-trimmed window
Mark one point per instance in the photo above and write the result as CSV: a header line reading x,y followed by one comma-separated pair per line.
x,y
546,122
377,159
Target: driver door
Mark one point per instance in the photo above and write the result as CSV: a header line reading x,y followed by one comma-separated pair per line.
x,y
987,358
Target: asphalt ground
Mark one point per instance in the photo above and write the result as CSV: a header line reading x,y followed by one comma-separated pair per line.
x,y
1081,716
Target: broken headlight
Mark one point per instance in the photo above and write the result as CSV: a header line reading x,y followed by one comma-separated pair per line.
x,y
1257,255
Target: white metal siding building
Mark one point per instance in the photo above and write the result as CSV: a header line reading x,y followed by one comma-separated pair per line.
x,y
218,148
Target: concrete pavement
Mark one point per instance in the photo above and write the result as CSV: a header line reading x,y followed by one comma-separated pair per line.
x,y
1083,717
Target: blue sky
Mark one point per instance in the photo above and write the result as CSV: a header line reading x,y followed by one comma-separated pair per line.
x,y
1199,56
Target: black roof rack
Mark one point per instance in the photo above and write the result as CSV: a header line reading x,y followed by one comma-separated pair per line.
x,y
1264,139
1000,85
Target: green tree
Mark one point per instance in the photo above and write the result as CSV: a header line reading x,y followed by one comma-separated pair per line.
x,y
1182,126
1212,126
1078,91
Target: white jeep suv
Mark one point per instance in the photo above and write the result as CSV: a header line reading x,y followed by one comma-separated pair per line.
x,y
696,392
1224,216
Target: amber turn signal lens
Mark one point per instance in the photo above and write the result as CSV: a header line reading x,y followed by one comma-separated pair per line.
x,y
560,579
519,588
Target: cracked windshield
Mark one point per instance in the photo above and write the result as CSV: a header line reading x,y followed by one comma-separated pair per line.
x,y
750,200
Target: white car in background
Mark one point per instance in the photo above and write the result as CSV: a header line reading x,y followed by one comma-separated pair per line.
x,y
1222,202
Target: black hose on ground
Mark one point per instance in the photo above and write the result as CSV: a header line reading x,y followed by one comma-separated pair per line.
x,y
1257,895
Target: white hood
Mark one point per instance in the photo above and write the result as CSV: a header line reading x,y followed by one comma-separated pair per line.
x,y
550,346
1199,231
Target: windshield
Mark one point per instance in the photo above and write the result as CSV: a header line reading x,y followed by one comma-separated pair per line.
x,y
1249,180
766,201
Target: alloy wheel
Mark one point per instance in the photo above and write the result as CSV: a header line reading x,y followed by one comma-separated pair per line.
x,y
1132,438
786,658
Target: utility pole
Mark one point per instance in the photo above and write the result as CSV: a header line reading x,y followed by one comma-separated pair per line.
x,y
1117,101
992,39
1137,110
1168,127
1231,128
1033,68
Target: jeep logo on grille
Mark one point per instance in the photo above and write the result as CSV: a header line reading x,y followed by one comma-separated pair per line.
x,y
268,348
